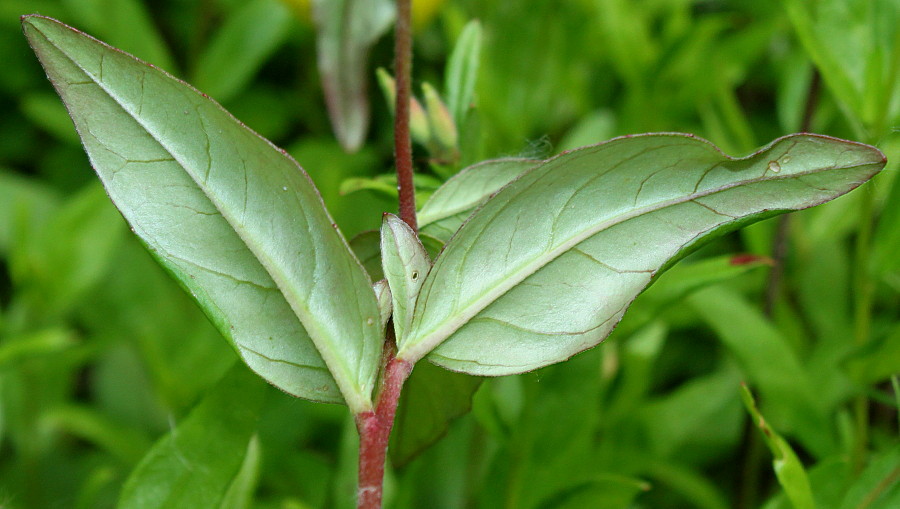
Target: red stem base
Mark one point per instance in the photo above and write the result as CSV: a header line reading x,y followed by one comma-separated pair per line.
x,y
374,431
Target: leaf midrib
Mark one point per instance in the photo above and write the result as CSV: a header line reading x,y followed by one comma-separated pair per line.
x,y
445,329
311,326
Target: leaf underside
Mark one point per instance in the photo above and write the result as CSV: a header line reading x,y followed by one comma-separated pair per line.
x,y
234,219
547,267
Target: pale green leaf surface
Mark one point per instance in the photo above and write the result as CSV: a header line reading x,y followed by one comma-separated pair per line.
x,y
233,218
384,298
347,29
240,47
451,203
405,264
547,267
199,463
462,71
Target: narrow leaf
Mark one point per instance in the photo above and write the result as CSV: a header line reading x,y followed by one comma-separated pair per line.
x,y
198,463
547,267
405,264
234,219
451,203
462,71
239,48
347,29
788,469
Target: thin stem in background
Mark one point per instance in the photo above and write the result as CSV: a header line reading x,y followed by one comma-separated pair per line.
x,y
780,242
863,290
402,143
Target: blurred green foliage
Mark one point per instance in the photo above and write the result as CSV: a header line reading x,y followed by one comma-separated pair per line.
x,y
101,354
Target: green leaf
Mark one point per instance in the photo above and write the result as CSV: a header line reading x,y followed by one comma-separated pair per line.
x,y
454,201
126,24
547,267
607,491
199,462
347,29
788,469
367,248
432,397
856,46
462,71
878,486
405,264
795,405
240,47
230,216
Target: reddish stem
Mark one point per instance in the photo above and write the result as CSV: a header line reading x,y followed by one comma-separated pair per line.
x,y
402,143
375,430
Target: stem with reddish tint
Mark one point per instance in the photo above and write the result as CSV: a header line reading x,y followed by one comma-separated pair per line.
x,y
374,431
375,426
402,143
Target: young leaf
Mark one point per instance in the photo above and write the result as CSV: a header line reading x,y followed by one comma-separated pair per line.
x,y
451,203
405,265
235,220
201,463
788,469
346,31
462,71
547,267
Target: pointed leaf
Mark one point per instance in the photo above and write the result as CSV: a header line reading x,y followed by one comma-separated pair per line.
x,y
788,468
462,71
198,462
451,203
405,264
233,218
547,267
347,29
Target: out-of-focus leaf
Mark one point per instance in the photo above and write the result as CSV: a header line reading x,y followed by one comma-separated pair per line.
x,y
405,264
695,421
856,46
451,203
606,492
683,279
219,208
240,493
367,247
127,444
125,24
462,71
387,185
45,110
24,205
546,268
64,257
769,363
15,349
432,397
788,469
347,29
878,359
199,461
239,48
